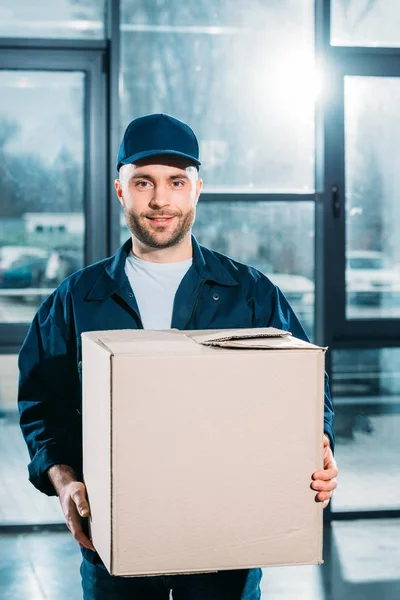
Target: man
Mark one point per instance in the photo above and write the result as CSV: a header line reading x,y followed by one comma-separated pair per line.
x,y
158,279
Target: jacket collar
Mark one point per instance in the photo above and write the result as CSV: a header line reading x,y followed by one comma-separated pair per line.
x,y
113,276
209,267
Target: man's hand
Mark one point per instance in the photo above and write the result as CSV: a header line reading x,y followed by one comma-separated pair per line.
x,y
73,500
325,481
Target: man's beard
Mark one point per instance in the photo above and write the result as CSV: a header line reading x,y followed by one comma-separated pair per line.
x,y
154,240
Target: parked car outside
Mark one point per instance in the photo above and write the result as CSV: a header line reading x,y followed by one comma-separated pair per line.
x,y
61,263
298,290
22,267
371,279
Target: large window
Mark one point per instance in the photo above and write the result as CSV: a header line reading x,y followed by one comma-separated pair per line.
x,y
372,126
240,73
41,186
52,214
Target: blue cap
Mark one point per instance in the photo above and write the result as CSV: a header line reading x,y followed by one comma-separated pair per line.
x,y
157,134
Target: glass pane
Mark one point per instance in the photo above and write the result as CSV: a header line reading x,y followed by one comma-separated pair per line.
x,y
365,23
41,186
52,18
241,74
366,395
248,232
372,128
20,501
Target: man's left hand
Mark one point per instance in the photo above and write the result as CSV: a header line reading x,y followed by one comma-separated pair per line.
x,y
325,481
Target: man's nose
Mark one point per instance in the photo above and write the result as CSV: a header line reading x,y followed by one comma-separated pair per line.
x,y
160,197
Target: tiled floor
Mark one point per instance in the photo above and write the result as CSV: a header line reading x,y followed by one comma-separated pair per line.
x,y
362,562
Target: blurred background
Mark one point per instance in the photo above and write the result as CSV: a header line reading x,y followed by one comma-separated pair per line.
x,y
296,107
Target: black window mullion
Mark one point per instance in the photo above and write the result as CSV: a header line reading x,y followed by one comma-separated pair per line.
x,y
113,120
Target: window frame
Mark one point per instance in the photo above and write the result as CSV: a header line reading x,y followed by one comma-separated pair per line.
x,y
332,328
89,58
342,328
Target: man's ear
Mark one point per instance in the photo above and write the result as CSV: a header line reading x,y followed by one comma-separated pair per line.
x,y
199,187
118,189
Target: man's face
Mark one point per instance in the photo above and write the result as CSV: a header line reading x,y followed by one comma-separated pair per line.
x,y
159,200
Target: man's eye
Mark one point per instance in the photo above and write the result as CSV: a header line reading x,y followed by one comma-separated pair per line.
x,y
142,184
177,183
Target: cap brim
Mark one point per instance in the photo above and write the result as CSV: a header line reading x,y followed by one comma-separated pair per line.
x,y
145,154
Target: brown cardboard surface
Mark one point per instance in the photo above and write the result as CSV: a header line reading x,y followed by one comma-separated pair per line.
x,y
96,415
211,456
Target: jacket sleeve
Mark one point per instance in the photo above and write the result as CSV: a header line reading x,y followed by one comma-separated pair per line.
x,y
278,313
49,396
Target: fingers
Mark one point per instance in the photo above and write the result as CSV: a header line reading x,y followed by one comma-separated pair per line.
x,y
321,496
325,490
74,524
325,475
79,498
75,506
324,486
329,459
324,482
329,473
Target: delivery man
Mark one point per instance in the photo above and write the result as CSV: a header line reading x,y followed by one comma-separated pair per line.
x,y
160,278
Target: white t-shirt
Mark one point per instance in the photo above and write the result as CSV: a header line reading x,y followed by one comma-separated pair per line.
x,y
154,286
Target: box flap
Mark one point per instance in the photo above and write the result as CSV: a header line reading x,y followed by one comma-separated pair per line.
x,y
278,343
237,334
257,338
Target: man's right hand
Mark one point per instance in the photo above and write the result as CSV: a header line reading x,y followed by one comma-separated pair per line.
x,y
73,500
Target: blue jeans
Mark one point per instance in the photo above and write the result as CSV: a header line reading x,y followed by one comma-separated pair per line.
x,y
98,584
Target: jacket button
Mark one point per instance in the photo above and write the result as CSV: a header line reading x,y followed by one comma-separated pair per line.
x,y
215,297
130,295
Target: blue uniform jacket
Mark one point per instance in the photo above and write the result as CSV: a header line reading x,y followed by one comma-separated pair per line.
x,y
216,293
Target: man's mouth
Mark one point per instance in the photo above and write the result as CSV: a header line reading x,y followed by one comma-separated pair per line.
x,y
161,220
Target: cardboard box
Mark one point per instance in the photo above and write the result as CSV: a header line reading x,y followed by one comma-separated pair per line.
x,y
199,448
